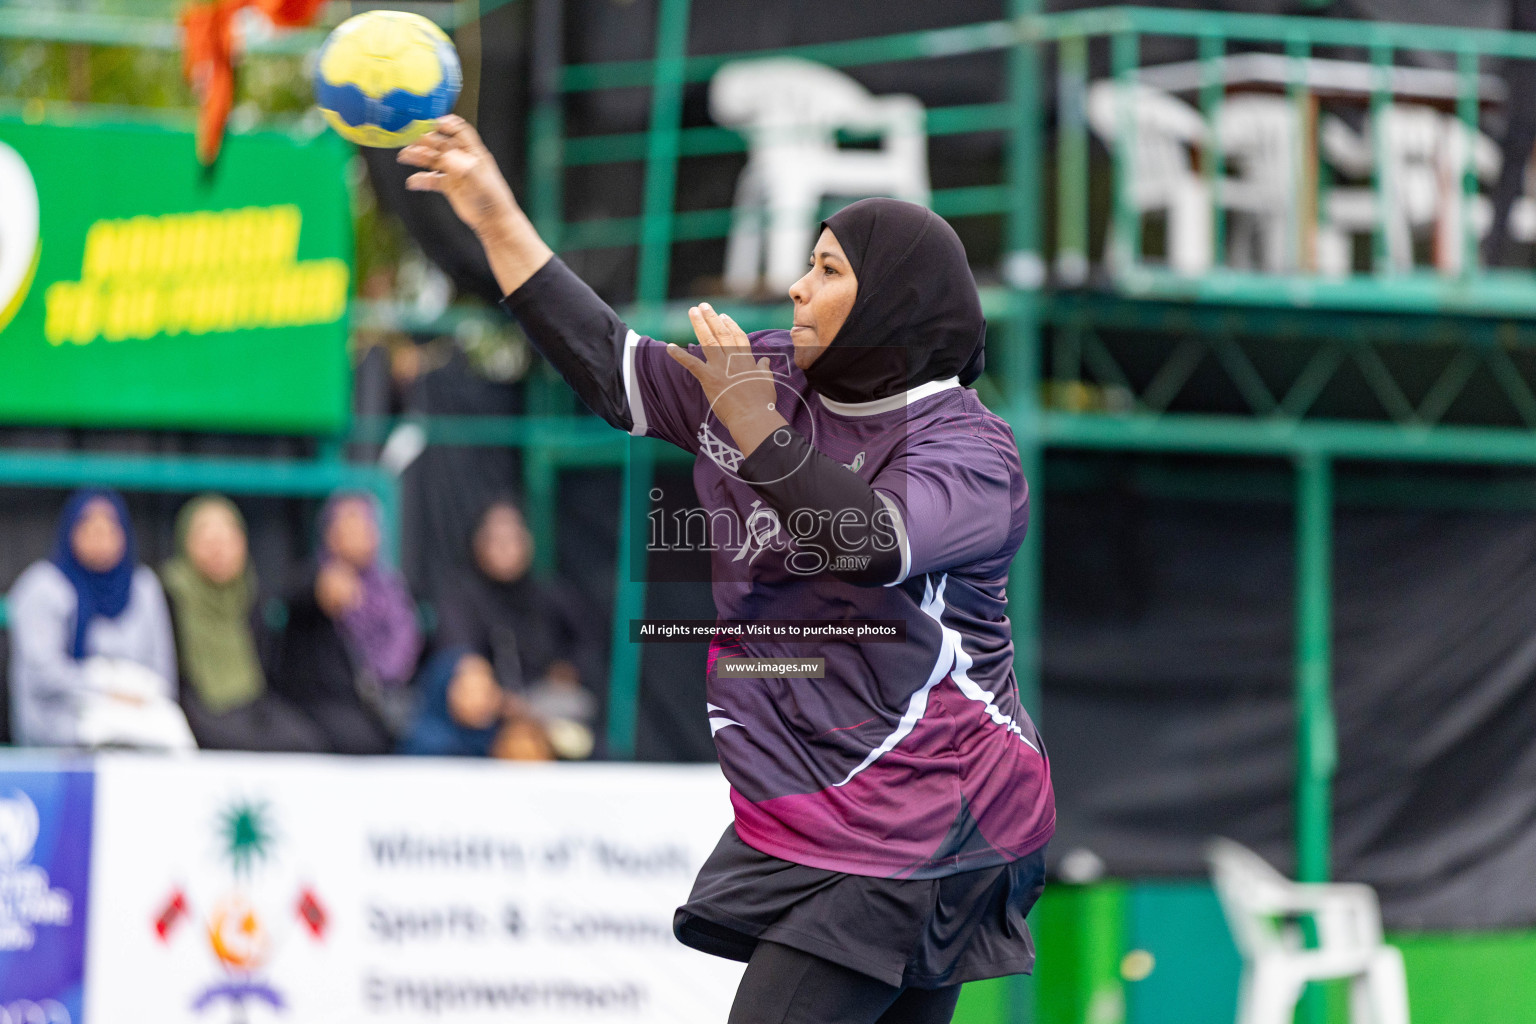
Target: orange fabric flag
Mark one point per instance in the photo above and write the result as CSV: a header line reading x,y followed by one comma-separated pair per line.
x,y
209,61
210,68
291,13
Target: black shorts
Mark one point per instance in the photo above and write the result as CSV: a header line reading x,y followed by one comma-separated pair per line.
x,y
911,933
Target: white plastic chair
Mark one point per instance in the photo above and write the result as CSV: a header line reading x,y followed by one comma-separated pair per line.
x,y
1261,906
1260,137
791,111
1424,152
1522,213
1165,131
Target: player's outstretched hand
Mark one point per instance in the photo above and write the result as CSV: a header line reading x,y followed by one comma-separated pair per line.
x,y
740,389
455,162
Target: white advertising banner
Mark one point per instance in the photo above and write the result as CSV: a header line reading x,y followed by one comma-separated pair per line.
x,y
246,889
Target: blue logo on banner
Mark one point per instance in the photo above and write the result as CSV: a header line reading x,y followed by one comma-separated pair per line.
x,y
45,862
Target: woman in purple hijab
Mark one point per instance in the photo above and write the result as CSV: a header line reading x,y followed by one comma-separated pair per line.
x,y
369,601
351,642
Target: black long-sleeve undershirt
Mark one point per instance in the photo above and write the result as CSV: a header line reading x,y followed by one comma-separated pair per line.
x,y
580,335
827,507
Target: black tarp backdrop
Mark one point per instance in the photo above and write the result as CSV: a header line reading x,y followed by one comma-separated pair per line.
x,y
1168,711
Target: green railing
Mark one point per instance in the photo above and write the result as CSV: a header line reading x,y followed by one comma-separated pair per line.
x,y
666,141
191,474
186,474
1213,36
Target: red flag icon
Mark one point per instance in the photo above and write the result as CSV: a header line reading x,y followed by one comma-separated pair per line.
x,y
312,913
175,909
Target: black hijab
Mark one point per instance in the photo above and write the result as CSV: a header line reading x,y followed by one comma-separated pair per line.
x,y
508,623
917,317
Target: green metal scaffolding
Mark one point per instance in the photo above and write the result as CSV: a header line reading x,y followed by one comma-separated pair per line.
x,y
1485,315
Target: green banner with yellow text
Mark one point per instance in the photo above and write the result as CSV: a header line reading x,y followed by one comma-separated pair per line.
x,y
136,290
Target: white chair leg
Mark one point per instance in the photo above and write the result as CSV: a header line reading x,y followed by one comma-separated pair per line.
x,y
1522,220
1277,243
1244,995
1333,252
1362,1009
1190,231
744,248
1387,983
1482,216
1399,242
1270,994
791,220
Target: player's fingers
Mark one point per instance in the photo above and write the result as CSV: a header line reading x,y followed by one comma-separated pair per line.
x,y
454,134
426,181
418,155
456,162
743,365
690,362
460,133
723,334
446,143
435,141
738,336
704,332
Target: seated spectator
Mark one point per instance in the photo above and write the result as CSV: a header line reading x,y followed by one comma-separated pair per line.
x,y
92,659
527,630
459,705
212,591
351,642
462,711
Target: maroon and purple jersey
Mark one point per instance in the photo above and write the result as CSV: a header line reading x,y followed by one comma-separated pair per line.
x,y
906,760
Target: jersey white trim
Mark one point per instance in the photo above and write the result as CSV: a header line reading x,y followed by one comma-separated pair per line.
x,y
953,663
961,674
917,706
632,386
891,402
901,537
720,722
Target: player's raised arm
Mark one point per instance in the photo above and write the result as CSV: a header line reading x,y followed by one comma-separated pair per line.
x,y
455,162
626,379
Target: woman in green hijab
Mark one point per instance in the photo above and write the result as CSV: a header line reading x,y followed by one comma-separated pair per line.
x,y
212,592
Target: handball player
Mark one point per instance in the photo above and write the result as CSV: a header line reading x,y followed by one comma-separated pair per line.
x,y
890,815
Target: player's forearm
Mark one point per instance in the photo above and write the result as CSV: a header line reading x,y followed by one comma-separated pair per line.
x,y
749,427
513,247
826,507
580,335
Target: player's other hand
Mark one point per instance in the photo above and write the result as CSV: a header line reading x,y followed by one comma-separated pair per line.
x,y
740,388
455,162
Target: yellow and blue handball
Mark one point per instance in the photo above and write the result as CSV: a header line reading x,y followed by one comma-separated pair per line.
x,y
383,77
